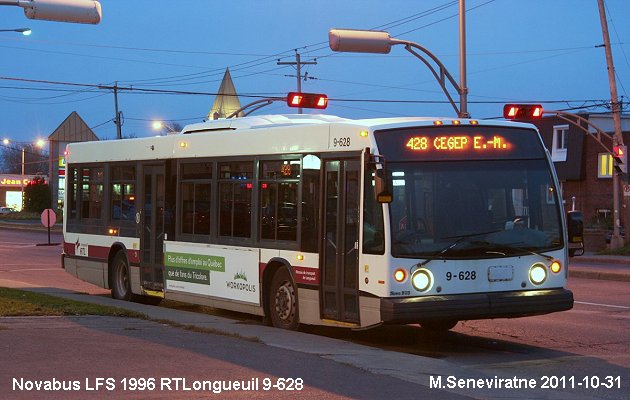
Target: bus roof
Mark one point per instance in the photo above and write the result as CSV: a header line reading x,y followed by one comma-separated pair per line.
x,y
243,136
261,121
265,121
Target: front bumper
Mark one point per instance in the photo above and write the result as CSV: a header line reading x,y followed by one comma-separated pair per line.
x,y
475,306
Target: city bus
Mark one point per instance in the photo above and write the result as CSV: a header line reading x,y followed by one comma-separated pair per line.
x,y
322,220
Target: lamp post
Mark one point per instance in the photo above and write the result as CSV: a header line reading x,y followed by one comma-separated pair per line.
x,y
359,41
380,42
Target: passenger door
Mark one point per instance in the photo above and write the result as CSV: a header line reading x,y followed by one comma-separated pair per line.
x,y
151,226
340,258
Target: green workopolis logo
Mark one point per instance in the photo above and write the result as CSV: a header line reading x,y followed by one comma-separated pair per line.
x,y
241,286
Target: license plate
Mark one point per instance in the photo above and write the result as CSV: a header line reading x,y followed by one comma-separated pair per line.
x,y
500,273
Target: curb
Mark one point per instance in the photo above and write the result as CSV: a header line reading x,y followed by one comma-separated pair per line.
x,y
29,227
601,275
622,260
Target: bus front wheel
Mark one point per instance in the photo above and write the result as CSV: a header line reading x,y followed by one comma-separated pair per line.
x,y
283,304
121,286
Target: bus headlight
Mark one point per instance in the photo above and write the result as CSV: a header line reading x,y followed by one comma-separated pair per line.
x,y
422,279
537,274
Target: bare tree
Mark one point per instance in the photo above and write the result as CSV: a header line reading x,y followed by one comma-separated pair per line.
x,y
35,160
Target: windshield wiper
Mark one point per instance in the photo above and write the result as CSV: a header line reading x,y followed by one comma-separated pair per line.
x,y
510,246
457,240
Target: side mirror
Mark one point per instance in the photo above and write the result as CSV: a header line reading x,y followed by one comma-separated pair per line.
x,y
575,226
381,183
382,189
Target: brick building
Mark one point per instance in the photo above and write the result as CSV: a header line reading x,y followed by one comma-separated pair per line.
x,y
584,167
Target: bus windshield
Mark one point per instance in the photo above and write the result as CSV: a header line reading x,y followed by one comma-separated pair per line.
x,y
473,209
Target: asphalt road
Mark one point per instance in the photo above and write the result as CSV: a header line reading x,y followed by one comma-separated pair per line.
x,y
105,357
574,351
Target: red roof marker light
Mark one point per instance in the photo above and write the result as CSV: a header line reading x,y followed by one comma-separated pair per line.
x,y
522,111
307,100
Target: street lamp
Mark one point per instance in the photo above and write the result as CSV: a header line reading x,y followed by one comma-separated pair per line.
x,y
77,11
23,31
40,143
163,125
360,41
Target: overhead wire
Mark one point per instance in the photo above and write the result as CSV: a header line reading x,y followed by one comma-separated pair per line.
x,y
201,77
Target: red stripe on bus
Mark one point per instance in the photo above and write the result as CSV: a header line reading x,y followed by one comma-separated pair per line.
x,y
101,252
68,248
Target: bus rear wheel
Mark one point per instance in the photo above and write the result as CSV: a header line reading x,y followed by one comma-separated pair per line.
x,y
283,304
441,325
121,285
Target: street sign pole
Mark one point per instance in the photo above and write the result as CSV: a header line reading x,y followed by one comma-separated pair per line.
x,y
48,219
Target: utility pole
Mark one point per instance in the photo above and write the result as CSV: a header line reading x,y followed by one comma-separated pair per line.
x,y
463,89
298,66
616,241
117,118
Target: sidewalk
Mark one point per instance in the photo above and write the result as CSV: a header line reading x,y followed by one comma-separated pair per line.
x,y
593,266
412,368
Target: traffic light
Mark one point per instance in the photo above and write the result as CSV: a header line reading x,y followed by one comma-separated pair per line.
x,y
307,100
620,155
522,111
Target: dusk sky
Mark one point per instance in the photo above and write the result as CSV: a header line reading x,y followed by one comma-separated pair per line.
x,y
535,51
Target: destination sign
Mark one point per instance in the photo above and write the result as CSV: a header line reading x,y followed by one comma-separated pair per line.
x,y
459,143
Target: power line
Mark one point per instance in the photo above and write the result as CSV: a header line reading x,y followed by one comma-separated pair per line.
x,y
179,92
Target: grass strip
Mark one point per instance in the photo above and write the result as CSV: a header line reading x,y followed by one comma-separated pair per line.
x,y
15,302
622,251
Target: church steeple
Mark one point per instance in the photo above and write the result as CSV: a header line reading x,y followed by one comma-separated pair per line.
x,y
226,101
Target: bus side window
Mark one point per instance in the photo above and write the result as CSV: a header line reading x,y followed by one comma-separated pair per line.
x,y
311,168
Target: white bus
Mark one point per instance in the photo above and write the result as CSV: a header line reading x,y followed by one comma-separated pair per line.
x,y
316,219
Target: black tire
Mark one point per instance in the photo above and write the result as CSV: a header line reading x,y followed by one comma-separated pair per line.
x,y
121,285
441,325
283,302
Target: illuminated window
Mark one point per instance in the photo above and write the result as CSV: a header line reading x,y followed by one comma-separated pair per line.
x,y
279,199
604,165
123,193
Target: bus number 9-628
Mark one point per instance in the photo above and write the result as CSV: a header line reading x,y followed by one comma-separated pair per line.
x,y
341,142
461,275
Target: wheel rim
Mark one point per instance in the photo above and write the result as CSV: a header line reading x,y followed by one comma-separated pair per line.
x,y
285,302
122,278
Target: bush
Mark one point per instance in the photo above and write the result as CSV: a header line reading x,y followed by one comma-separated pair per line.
x,y
37,195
